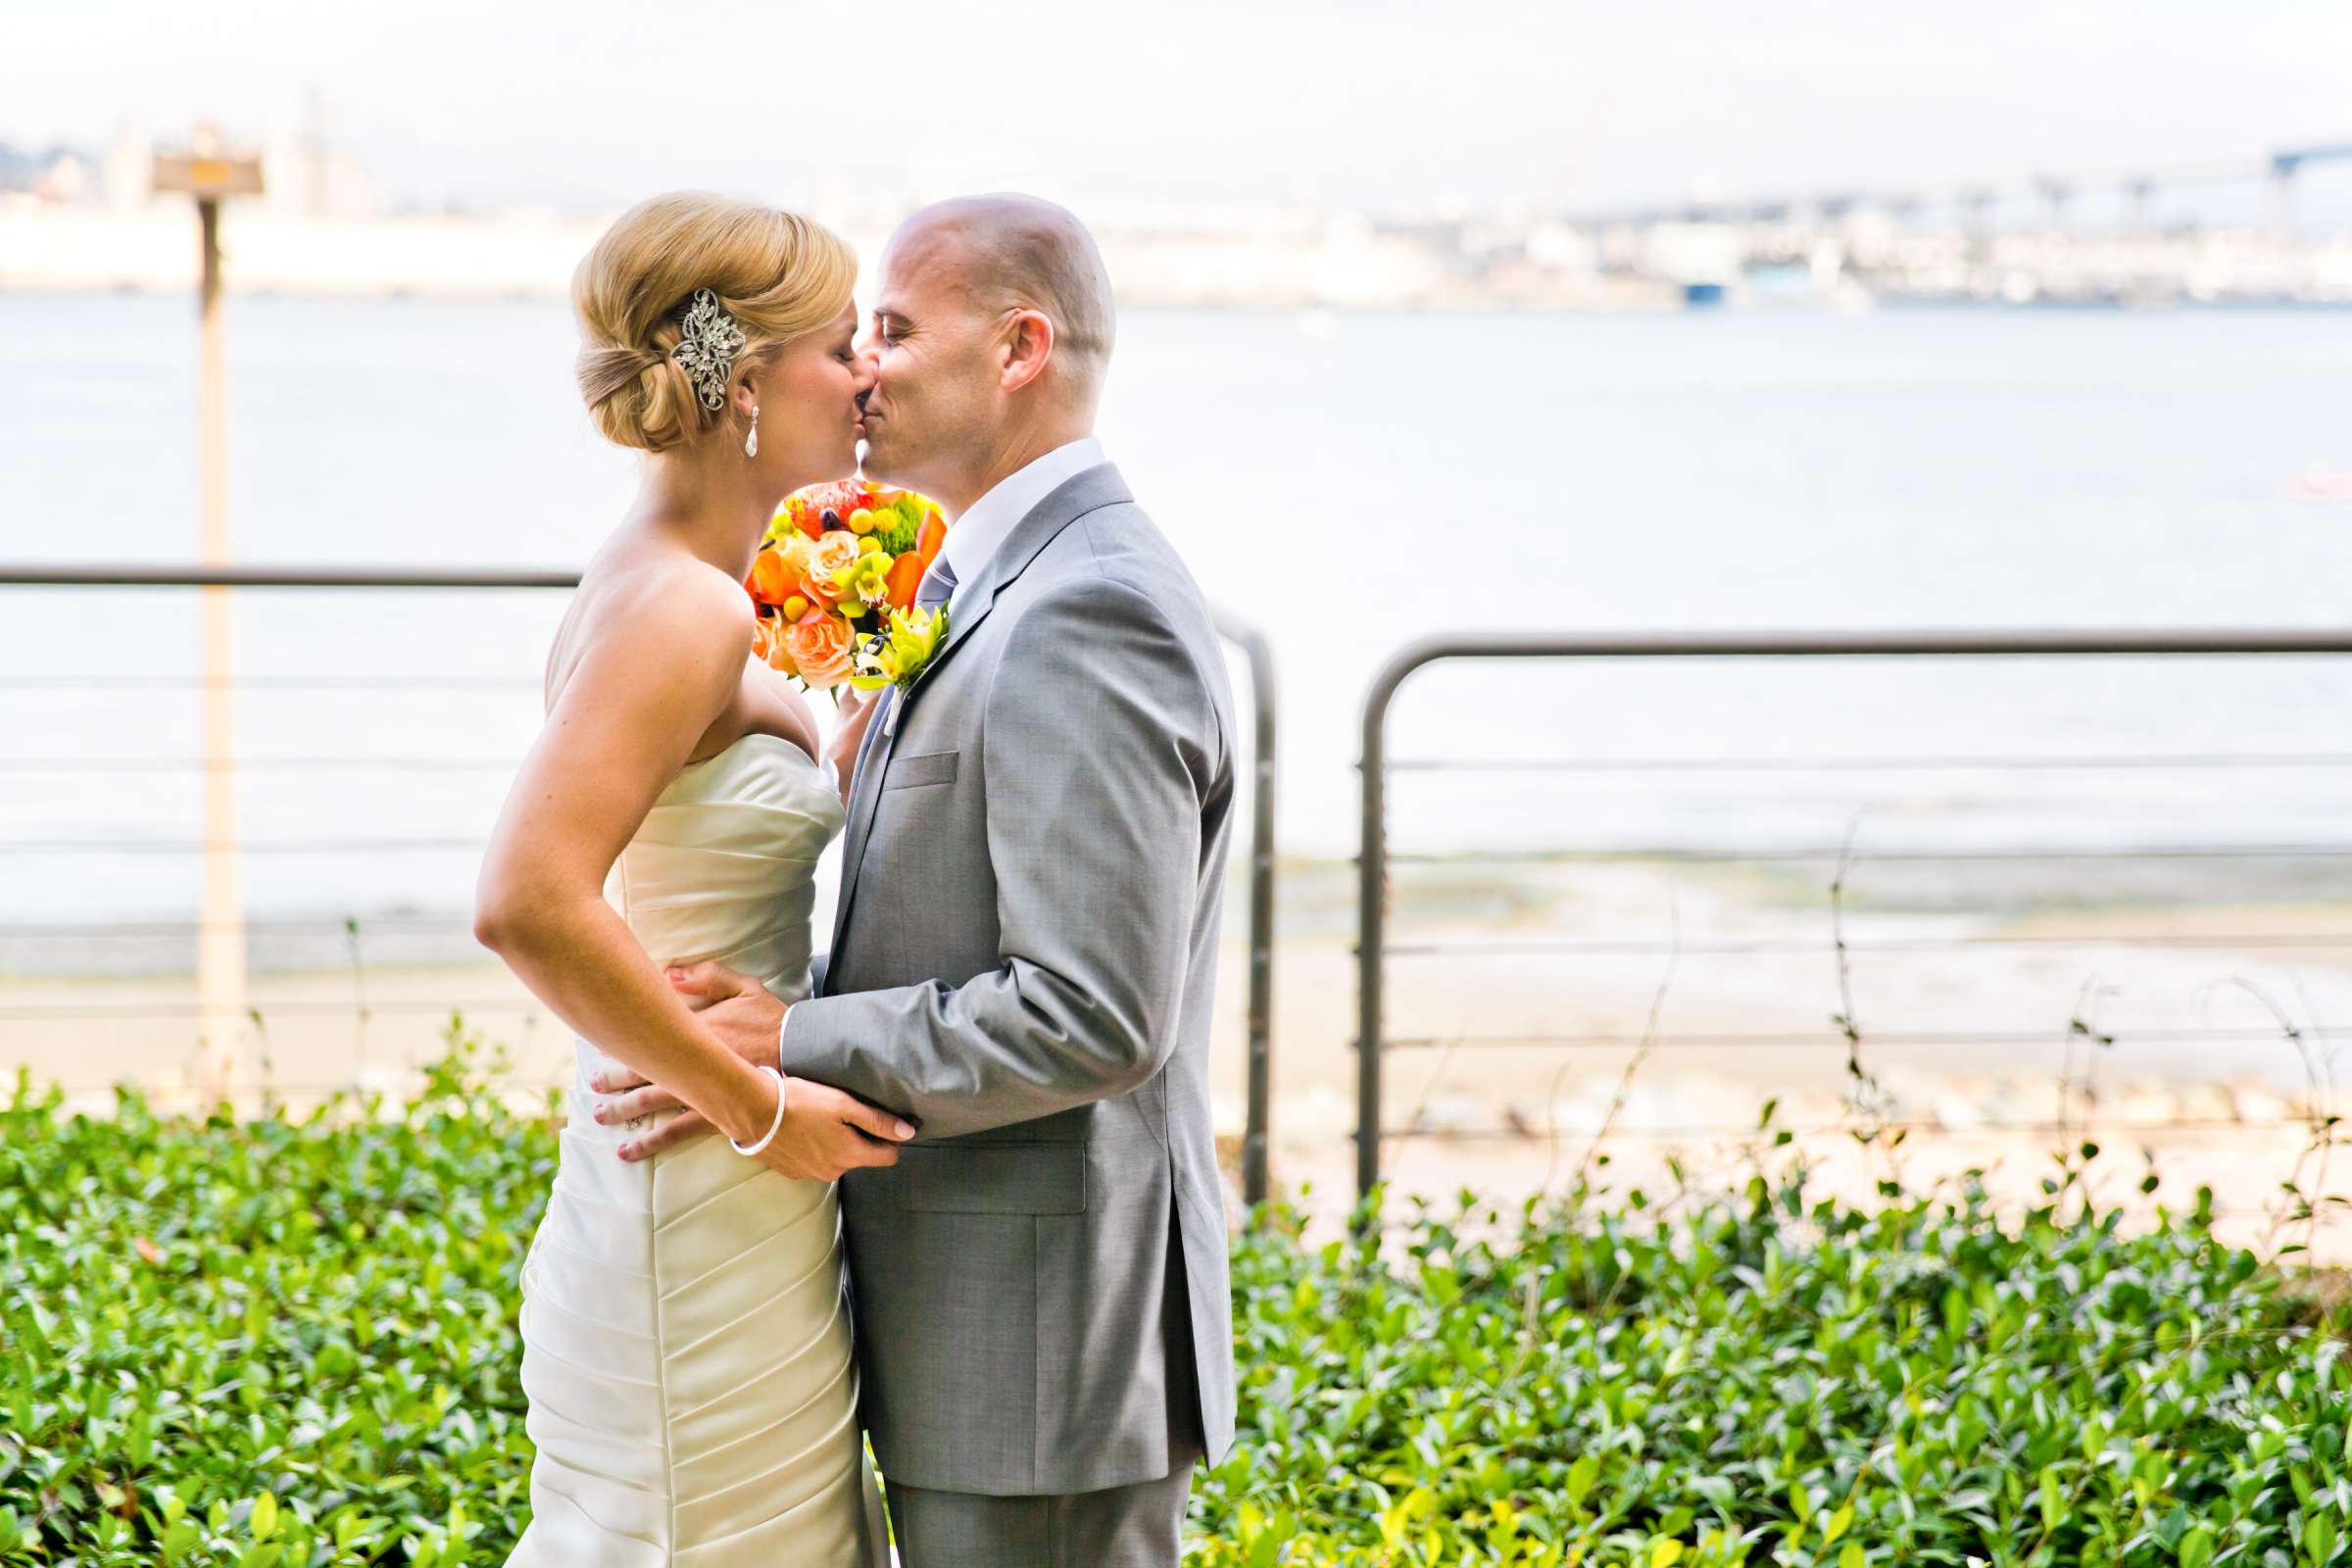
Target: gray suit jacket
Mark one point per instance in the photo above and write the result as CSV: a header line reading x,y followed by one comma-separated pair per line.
x,y
1023,962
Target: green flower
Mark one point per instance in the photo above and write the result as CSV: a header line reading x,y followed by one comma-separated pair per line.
x,y
866,581
914,636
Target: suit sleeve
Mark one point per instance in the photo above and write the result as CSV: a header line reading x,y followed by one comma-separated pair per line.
x,y
1099,744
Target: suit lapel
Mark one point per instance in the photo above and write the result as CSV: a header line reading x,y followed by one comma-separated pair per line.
x,y
865,786
1098,486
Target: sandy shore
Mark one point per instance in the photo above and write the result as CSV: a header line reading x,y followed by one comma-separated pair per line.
x,y
2160,1031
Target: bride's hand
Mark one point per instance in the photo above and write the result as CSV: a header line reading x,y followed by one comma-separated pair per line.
x,y
857,710
823,1132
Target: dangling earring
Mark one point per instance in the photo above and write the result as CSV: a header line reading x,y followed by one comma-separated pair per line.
x,y
750,443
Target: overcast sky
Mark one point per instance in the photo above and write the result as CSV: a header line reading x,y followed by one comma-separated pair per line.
x,y
1398,106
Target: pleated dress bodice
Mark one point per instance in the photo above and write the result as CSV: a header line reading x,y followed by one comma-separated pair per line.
x,y
724,867
686,1343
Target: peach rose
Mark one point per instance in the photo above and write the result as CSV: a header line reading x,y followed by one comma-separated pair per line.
x,y
836,552
819,644
768,644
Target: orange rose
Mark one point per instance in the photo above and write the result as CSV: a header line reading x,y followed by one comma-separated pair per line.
x,y
819,644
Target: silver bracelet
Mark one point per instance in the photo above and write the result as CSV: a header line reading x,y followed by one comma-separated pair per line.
x,y
782,1092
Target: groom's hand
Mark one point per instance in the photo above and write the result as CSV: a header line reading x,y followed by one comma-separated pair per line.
x,y
825,1132
734,1006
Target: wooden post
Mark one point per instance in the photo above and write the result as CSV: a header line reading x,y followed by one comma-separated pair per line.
x,y
220,940
221,1003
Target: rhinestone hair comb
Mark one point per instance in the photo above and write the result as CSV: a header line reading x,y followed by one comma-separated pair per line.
x,y
707,353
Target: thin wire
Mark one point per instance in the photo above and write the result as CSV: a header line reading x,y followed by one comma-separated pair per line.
x,y
301,1007
340,926
241,846
2092,1128
1669,853
555,1079
1512,949
1865,764
1790,1040
255,764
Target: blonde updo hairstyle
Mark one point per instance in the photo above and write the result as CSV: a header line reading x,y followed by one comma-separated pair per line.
x,y
780,274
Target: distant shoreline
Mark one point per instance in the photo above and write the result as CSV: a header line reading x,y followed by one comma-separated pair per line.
x,y
1461,307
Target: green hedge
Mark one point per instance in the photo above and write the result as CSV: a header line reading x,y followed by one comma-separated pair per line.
x,y
287,1342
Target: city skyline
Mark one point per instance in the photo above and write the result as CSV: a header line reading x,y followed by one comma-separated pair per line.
x,y
1398,108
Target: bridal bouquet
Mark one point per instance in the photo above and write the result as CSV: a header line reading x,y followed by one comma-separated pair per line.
x,y
835,581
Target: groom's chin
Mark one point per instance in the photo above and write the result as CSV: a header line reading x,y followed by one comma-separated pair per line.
x,y
876,467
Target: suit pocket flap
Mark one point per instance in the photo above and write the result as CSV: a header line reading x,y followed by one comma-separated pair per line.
x,y
993,1178
930,768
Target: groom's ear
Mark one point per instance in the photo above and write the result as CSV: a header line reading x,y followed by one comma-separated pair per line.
x,y
1028,344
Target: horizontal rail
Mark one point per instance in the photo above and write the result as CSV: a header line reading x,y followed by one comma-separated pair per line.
x,y
302,683
2024,643
133,576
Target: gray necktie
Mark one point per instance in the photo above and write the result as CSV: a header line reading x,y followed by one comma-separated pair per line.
x,y
938,584
937,587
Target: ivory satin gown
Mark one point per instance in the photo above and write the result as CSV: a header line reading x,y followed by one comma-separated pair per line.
x,y
686,1342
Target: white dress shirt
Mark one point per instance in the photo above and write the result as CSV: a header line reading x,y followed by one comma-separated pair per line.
x,y
977,535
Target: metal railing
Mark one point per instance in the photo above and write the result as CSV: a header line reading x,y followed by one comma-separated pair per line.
x,y
1259,656
1244,638
1375,858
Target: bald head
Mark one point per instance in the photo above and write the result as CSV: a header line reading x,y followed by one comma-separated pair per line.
x,y
1011,252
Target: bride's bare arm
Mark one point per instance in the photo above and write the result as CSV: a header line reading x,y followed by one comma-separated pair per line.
x,y
856,714
627,719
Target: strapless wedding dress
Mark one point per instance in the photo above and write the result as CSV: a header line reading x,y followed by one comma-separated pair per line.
x,y
686,1345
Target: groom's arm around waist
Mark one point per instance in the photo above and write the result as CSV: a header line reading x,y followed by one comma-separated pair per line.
x,y
1099,744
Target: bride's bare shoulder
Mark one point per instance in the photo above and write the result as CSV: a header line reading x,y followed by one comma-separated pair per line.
x,y
649,612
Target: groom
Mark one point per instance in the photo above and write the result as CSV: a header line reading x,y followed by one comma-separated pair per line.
x,y
1025,949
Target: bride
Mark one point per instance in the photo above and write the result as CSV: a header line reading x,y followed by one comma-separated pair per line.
x,y
686,1347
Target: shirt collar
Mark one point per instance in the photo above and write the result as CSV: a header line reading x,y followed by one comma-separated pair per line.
x,y
982,530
